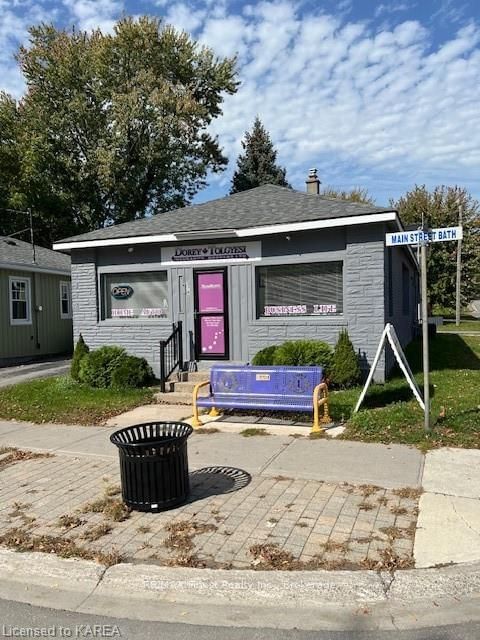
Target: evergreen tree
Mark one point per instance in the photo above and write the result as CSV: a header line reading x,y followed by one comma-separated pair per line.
x,y
81,350
346,369
257,165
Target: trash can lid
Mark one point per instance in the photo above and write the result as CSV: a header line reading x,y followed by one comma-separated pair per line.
x,y
150,433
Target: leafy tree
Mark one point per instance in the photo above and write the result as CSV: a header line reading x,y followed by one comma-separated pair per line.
x,y
440,208
357,194
113,126
257,165
9,165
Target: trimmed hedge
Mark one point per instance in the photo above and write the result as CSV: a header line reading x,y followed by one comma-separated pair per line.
x,y
265,356
97,367
296,353
132,372
304,353
112,366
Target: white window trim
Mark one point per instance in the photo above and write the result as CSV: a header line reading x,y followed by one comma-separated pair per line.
x,y
66,316
28,291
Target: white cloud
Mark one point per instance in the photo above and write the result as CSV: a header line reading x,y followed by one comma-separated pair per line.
x,y
348,99
94,14
375,106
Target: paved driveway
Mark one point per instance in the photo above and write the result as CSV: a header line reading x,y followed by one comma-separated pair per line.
x,y
24,372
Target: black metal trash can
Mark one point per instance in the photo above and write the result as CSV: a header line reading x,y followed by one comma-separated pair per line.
x,y
153,464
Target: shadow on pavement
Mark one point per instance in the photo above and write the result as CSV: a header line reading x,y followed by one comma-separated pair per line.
x,y
216,481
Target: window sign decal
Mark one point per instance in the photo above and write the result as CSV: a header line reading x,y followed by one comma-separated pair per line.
x,y
210,293
122,291
212,329
299,309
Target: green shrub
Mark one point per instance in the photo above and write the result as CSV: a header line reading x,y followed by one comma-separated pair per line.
x,y
97,367
304,353
265,356
132,372
81,350
345,368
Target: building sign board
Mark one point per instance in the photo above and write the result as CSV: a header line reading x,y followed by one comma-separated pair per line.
x,y
228,252
443,234
389,334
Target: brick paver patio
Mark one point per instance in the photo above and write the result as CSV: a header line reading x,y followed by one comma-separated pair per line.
x,y
228,514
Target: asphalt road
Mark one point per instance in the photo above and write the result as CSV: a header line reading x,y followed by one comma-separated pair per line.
x,y
33,370
23,620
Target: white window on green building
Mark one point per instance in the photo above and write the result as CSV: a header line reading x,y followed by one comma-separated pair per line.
x,y
20,301
65,300
140,295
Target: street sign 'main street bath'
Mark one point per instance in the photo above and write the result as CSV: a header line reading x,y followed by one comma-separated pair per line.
x,y
416,237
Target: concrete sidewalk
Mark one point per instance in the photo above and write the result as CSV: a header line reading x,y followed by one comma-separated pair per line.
x,y
388,466
285,470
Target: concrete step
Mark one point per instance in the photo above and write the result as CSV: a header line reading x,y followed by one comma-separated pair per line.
x,y
183,387
179,396
198,376
174,397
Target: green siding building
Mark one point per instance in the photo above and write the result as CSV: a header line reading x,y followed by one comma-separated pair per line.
x,y
35,302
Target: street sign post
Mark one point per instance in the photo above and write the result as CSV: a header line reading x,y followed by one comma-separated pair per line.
x,y
422,238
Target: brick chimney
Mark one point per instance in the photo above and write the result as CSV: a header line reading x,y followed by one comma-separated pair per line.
x,y
313,183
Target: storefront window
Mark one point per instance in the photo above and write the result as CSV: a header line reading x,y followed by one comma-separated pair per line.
x,y
300,290
135,295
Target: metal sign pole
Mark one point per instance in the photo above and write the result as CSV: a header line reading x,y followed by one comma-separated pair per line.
x,y
426,376
459,270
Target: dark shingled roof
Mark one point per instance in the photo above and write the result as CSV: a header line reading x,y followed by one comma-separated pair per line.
x,y
16,252
266,205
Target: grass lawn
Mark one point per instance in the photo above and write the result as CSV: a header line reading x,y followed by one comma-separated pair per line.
x,y
65,401
465,325
391,414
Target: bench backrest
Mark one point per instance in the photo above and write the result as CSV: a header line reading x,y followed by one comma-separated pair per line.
x,y
239,380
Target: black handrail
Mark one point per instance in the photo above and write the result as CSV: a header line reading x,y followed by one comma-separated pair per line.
x,y
171,354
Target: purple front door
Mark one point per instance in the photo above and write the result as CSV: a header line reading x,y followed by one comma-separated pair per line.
x,y
211,326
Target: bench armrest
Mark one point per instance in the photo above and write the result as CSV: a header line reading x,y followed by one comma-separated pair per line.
x,y
196,422
320,398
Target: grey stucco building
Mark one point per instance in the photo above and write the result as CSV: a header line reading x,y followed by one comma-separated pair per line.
x,y
244,272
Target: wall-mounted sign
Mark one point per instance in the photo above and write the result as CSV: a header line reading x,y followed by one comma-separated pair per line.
x,y
237,252
121,291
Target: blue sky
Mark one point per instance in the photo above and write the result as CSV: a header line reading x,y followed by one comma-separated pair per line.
x,y
380,95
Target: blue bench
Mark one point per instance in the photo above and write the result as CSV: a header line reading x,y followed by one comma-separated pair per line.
x,y
265,388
